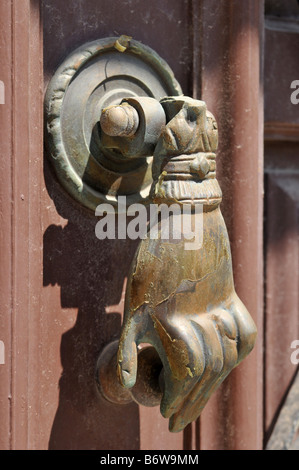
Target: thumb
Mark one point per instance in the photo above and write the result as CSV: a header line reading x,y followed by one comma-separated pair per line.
x,y
127,355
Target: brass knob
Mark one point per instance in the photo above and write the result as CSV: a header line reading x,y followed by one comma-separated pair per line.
x,y
119,120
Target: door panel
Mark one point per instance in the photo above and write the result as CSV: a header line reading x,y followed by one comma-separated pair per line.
x,y
84,277
232,85
281,204
70,25
21,153
62,289
5,240
282,287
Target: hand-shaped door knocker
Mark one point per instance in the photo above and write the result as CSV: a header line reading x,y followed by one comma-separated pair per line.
x,y
159,150
182,302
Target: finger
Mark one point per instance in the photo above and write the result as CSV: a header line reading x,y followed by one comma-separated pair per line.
x,y
246,327
176,388
189,409
182,356
219,344
127,355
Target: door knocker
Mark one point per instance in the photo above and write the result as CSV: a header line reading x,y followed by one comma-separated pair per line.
x,y
182,303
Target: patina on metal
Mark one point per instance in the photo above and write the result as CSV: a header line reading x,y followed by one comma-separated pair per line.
x,y
183,302
147,390
93,77
119,120
133,127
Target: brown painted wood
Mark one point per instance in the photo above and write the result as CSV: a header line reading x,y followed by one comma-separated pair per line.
x,y
281,131
74,23
232,84
282,274
58,281
6,228
20,219
281,211
281,69
61,288
281,8
84,277
21,150
281,156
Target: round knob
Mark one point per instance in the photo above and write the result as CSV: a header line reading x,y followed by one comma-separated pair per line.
x,y
119,120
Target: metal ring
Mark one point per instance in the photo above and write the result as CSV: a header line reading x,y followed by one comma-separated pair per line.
x,y
92,77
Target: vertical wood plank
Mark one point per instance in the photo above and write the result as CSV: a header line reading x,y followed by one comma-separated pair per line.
x,y
36,432
282,298
20,224
5,222
232,86
21,178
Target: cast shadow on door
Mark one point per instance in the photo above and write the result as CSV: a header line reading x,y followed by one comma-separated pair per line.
x,y
90,273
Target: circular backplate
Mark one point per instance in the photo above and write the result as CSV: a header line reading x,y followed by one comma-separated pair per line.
x,y
95,76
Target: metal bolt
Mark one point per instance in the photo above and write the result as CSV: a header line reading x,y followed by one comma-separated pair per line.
x,y
119,120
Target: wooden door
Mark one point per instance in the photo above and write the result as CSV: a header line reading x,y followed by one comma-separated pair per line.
x,y
62,290
281,222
